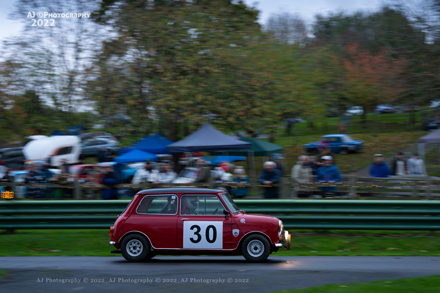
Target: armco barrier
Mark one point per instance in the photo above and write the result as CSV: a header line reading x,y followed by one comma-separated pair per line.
x,y
296,214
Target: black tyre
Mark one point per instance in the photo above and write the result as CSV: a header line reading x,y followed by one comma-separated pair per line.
x,y
343,151
255,248
135,248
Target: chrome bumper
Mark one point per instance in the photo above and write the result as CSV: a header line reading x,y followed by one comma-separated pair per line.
x,y
112,243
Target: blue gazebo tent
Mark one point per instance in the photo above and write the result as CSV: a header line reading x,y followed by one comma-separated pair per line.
x,y
135,156
154,143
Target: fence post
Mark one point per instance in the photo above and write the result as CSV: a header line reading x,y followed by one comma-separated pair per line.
x,y
285,187
353,181
428,192
14,186
77,189
415,188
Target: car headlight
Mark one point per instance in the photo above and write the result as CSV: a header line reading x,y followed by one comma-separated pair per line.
x,y
280,228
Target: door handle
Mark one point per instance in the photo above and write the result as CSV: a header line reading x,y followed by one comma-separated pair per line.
x,y
184,219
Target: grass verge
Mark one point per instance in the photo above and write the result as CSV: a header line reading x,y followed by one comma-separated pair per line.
x,y
429,284
304,243
3,273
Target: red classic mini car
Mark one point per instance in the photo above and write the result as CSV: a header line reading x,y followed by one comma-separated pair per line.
x,y
193,221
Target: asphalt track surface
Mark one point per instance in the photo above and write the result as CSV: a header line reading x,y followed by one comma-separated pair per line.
x,y
202,274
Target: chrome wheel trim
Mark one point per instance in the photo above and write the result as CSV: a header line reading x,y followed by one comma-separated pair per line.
x,y
255,248
134,247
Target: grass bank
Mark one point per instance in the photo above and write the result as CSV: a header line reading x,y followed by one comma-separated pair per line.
x,y
85,242
429,284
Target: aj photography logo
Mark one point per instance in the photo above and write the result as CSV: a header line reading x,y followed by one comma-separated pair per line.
x,y
48,19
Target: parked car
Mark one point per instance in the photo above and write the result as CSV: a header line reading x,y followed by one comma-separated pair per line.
x,y
193,221
355,111
13,158
383,109
332,112
97,135
91,147
338,143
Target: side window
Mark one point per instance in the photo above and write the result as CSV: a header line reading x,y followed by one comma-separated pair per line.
x,y
65,151
158,205
201,205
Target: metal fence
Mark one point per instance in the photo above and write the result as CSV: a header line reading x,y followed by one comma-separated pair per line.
x,y
296,214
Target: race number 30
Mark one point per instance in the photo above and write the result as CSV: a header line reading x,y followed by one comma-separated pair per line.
x,y
203,234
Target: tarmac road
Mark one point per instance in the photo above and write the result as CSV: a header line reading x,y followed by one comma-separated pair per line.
x,y
202,274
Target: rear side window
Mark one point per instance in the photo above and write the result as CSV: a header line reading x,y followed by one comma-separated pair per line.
x,y
65,151
201,205
158,205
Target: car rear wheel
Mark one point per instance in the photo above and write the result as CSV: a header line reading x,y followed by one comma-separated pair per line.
x,y
135,248
343,151
255,248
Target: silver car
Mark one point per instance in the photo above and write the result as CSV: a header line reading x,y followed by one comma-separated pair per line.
x,y
92,146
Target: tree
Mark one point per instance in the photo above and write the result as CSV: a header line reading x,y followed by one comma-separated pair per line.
x,y
286,27
373,79
186,60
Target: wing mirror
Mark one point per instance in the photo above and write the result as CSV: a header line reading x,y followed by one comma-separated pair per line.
x,y
226,213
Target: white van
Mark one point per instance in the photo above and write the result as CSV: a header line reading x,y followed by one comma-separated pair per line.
x,y
58,148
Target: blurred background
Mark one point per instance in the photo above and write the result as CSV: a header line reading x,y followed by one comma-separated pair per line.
x,y
135,67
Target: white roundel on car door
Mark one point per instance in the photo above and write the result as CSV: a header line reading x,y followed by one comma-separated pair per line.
x,y
203,234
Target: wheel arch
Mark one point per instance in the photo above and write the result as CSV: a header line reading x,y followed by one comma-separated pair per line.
x,y
247,235
132,233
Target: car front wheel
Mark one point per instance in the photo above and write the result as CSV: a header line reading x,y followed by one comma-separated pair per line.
x,y
255,248
135,248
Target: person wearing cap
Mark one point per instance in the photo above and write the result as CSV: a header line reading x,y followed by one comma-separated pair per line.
x,y
328,173
270,178
276,158
379,168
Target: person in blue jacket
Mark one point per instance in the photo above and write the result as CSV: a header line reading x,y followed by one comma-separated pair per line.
x,y
379,168
109,179
328,173
242,183
270,178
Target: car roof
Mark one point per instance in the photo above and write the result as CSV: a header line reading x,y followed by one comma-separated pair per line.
x,y
335,135
180,190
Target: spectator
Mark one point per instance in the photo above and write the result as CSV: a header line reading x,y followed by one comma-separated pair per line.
x,y
328,173
398,166
301,174
410,164
64,179
242,181
142,175
167,175
379,168
270,178
314,165
45,170
6,179
276,158
65,166
203,171
418,165
109,179
35,176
